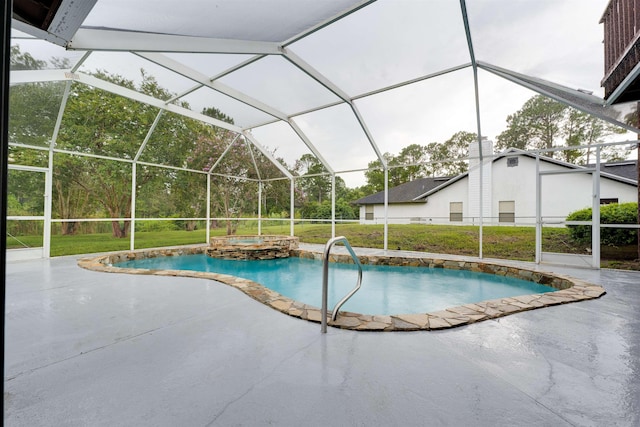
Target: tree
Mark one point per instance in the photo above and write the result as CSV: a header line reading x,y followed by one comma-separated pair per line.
x,y
433,159
318,185
194,146
543,123
99,122
517,135
33,113
24,198
574,129
584,129
234,196
276,192
375,173
536,125
456,147
24,61
32,117
413,156
316,191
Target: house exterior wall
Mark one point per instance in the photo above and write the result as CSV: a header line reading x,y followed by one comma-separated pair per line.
x,y
479,174
435,211
398,213
561,195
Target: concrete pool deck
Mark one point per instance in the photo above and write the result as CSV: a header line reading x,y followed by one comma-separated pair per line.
x,y
88,348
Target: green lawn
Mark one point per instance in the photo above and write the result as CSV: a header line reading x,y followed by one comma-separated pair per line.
x,y
515,243
499,242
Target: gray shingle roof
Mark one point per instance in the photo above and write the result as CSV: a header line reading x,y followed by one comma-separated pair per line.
x,y
626,169
405,193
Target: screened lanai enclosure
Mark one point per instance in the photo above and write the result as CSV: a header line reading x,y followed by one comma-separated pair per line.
x,y
134,116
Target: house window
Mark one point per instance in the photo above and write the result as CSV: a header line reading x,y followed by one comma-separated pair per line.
x,y
512,162
507,211
455,211
608,201
368,212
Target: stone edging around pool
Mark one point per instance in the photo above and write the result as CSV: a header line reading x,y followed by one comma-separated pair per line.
x,y
569,290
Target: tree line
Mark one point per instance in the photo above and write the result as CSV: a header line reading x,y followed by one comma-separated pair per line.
x,y
541,124
104,125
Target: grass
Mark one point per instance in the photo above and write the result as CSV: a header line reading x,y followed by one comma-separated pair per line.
x,y
104,242
499,242
517,243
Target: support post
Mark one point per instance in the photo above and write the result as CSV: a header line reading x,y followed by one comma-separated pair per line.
x,y
5,66
292,212
638,173
538,211
48,194
333,205
260,208
48,207
595,215
474,66
386,209
132,232
481,205
208,210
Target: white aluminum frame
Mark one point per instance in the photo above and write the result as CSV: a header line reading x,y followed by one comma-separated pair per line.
x,y
66,31
594,223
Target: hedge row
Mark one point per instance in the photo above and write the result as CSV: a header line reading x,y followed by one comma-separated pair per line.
x,y
615,213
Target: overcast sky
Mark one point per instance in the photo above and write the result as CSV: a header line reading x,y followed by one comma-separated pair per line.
x,y
390,42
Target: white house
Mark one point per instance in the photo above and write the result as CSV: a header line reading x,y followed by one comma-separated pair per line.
x,y
508,184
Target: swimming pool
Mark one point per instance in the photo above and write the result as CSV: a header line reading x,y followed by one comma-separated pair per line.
x,y
566,289
385,289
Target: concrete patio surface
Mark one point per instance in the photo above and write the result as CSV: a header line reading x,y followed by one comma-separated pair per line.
x,y
86,348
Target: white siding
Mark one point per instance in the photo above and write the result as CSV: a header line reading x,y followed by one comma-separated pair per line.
x,y
434,211
561,195
437,207
475,177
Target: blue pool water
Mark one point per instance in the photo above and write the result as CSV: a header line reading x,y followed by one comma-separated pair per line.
x,y
385,289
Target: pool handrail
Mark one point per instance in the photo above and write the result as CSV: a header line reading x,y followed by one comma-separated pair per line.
x,y
325,280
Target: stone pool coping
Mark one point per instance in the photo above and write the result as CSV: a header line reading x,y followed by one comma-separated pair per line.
x,y
569,289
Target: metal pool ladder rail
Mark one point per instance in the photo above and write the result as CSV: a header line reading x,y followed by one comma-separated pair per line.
x,y
325,279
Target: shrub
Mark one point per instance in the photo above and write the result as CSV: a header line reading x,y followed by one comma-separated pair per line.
x,y
615,213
